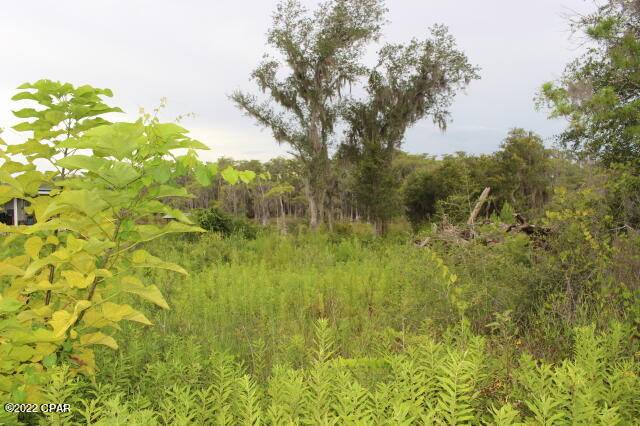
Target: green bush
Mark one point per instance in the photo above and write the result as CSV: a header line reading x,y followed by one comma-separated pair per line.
x,y
218,221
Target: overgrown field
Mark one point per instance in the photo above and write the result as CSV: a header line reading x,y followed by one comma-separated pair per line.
x,y
338,329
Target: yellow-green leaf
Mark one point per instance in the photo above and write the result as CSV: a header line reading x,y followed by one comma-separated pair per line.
x,y
52,239
62,320
142,259
138,317
114,312
231,175
76,279
150,293
9,304
21,353
8,269
98,339
41,312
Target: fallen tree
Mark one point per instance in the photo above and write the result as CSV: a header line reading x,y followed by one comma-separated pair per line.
x,y
464,234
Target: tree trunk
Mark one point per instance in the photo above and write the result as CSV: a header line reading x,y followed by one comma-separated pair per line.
x,y
313,209
283,219
380,227
476,209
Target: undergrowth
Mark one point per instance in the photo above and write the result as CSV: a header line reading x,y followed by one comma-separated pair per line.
x,y
454,379
313,329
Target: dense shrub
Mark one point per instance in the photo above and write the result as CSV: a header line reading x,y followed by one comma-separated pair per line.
x,y
216,220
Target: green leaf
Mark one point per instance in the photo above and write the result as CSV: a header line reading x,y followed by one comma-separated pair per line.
x,y
143,259
150,232
231,175
168,129
8,269
9,304
194,144
169,191
84,201
50,360
62,320
98,339
247,176
54,117
213,168
118,140
202,174
151,293
32,247
120,174
24,127
25,96
161,173
27,113
82,162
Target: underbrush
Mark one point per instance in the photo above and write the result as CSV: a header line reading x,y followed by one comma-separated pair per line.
x,y
267,293
455,379
326,328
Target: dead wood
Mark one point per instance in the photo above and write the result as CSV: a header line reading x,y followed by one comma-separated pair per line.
x,y
478,207
462,235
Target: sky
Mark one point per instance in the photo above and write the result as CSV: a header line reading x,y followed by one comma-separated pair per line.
x,y
196,52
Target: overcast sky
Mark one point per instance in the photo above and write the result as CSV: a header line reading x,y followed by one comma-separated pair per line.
x,y
196,52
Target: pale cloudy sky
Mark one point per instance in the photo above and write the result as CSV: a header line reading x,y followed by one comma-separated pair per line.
x,y
196,52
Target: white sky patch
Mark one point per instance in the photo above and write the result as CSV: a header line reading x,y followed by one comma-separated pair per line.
x,y
239,144
197,52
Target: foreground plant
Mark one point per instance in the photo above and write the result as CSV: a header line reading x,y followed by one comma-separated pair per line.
x,y
60,295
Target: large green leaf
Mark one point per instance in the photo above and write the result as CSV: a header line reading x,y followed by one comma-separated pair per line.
x,y
194,144
117,140
27,113
161,173
168,129
202,174
82,162
120,174
9,304
89,203
151,293
161,191
247,176
151,232
143,259
231,175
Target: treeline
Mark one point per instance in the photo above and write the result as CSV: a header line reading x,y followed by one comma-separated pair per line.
x,y
522,175
362,174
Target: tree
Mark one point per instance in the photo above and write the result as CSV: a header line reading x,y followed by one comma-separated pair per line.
x,y
599,93
449,187
523,171
321,51
409,83
64,291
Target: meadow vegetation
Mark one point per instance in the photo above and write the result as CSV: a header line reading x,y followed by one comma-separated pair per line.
x,y
326,328
154,288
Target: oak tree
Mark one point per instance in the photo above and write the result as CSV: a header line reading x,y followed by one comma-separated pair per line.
x,y
319,54
410,82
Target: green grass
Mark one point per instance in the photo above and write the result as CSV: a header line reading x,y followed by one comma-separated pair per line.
x,y
335,329
269,292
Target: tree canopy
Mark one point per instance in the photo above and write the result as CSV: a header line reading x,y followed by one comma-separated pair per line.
x,y
410,82
319,55
599,93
